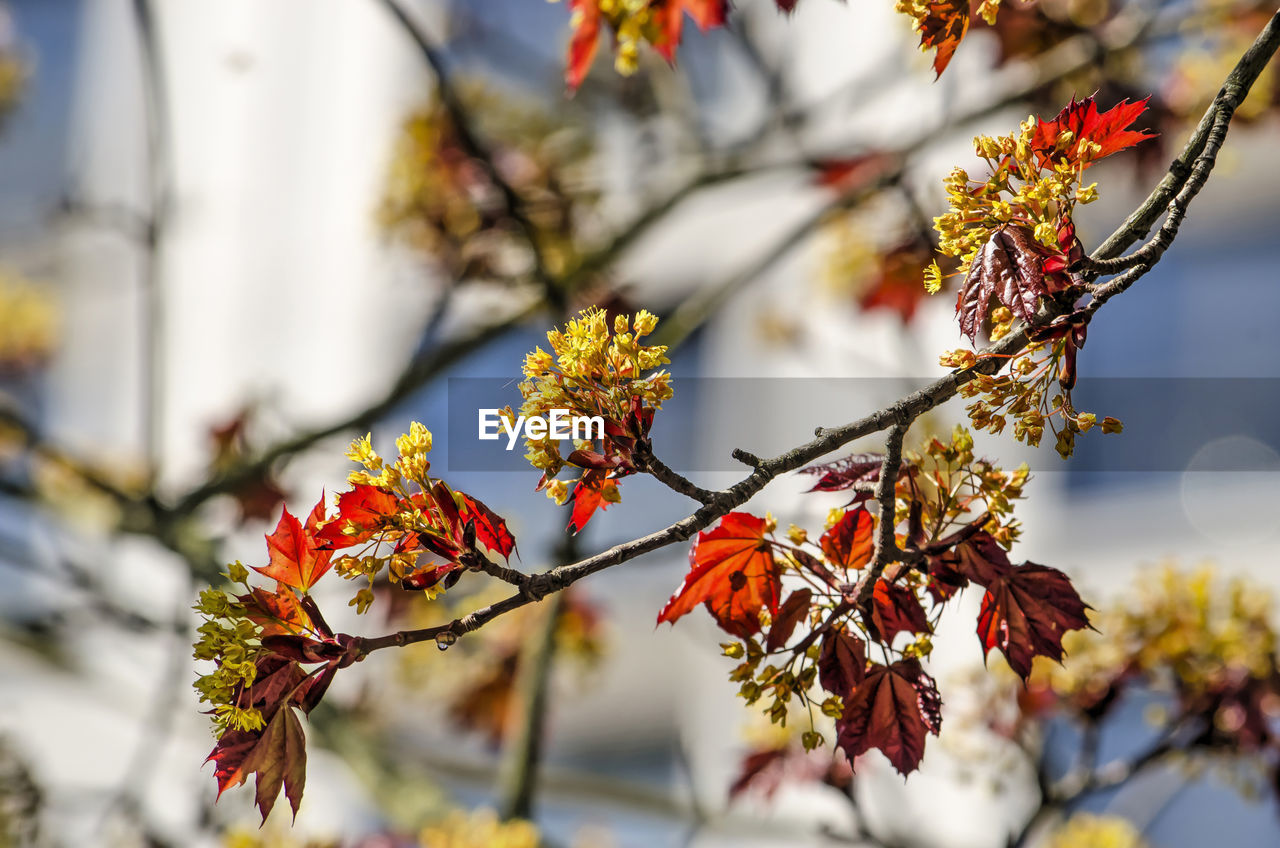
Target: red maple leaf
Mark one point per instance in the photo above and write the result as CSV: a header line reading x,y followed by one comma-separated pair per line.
x,y
584,42
669,18
1083,120
977,557
278,612
850,542
589,496
943,27
491,529
1025,613
732,571
893,709
1010,269
363,513
297,559
275,755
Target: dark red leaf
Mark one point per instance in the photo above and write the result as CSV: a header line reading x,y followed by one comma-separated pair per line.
x,y
791,613
1009,269
892,710
896,609
842,662
1025,613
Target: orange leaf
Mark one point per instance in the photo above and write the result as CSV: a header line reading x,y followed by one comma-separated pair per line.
x,y
850,543
279,612
587,498
363,510
296,557
942,25
1081,118
733,571
584,43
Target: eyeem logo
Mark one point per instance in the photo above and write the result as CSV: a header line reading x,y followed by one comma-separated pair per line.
x,y
560,425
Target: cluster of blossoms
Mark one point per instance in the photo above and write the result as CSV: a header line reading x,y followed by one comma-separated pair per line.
x,y
632,23
1016,243
1035,182
952,486
274,655
1035,393
231,640
596,368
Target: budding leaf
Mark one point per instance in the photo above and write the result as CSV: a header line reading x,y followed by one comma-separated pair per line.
x,y
1009,268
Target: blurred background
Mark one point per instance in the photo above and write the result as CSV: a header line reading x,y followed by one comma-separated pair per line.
x,y
235,235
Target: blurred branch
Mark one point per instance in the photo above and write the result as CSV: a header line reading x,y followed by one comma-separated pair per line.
x,y
479,152
159,175
518,779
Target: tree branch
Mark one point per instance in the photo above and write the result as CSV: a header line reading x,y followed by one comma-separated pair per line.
x,y
897,416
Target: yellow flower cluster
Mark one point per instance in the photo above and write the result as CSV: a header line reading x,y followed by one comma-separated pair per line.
x,y
593,369
480,829
28,321
1186,629
230,639
412,466
632,22
1083,830
954,485
1022,189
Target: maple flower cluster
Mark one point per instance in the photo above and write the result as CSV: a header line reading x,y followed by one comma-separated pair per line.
x,y
1017,245
633,22
228,638
595,368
